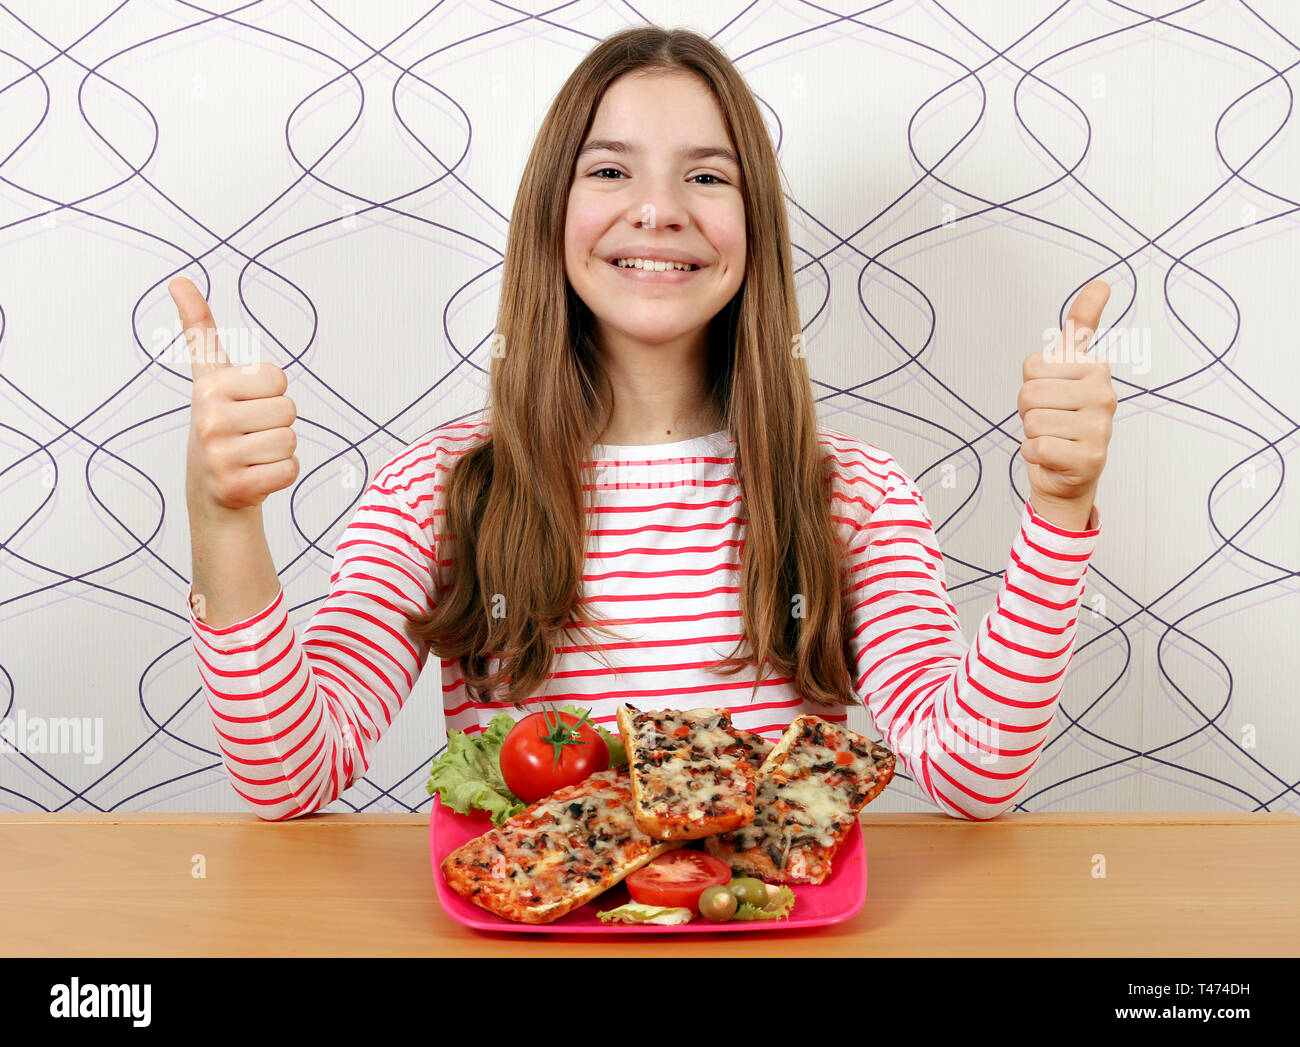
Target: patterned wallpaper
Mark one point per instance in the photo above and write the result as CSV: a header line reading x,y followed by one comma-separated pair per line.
x,y
337,178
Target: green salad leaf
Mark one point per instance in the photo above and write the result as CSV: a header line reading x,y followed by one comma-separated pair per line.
x,y
635,912
467,776
773,910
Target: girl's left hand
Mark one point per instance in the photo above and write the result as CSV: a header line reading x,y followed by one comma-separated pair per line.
x,y
1066,405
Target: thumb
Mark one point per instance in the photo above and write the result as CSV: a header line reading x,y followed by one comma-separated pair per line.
x,y
205,350
1084,319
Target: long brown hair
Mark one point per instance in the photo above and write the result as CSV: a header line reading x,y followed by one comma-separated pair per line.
x,y
515,511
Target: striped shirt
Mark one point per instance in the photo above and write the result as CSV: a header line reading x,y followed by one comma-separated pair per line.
x,y
297,718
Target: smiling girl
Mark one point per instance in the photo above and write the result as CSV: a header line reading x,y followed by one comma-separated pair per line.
x,y
648,510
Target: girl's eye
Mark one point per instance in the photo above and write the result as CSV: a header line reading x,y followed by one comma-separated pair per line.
x,y
705,174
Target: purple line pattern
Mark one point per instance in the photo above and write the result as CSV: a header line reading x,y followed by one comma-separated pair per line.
x,y
338,184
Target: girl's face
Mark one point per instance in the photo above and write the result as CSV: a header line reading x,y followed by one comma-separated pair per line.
x,y
658,175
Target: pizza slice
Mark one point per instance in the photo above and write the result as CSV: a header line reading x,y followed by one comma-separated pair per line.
x,y
557,854
692,775
811,787
758,747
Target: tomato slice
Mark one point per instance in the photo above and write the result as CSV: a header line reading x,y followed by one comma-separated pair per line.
x,y
677,878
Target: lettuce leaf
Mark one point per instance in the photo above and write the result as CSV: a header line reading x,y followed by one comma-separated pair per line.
x,y
634,912
775,910
467,776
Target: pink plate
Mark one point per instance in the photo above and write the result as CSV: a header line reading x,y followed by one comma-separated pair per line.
x,y
841,897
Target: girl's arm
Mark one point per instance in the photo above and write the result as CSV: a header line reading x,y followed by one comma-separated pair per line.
x,y
297,719
234,575
967,722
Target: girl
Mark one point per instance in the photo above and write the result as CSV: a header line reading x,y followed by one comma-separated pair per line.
x,y
648,510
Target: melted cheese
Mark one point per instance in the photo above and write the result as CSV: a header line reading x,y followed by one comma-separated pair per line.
x,y
820,808
705,774
808,799
581,833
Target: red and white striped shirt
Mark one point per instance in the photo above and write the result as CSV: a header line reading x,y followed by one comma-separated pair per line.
x,y
298,719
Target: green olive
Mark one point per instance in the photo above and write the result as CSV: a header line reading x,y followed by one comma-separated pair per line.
x,y
717,904
748,889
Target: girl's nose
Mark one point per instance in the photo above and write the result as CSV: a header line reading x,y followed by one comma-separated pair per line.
x,y
659,206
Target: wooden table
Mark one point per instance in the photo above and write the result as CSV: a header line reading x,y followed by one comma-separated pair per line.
x,y
361,885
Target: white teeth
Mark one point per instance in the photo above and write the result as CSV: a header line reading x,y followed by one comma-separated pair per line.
x,y
653,266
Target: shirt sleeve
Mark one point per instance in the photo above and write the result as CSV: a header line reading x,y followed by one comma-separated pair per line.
x,y
297,719
966,721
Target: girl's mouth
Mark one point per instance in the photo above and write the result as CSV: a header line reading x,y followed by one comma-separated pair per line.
x,y
655,276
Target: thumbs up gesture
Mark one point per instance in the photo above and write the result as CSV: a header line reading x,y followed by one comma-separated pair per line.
x,y
242,444
1066,405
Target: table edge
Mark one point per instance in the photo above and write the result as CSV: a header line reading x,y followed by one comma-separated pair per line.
x,y
890,820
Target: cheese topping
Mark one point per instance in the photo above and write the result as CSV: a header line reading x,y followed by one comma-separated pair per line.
x,y
584,832
691,764
758,747
809,796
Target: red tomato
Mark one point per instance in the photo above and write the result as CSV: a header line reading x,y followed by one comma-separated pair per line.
x,y
548,750
677,878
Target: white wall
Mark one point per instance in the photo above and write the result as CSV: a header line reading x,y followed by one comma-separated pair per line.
x,y
947,203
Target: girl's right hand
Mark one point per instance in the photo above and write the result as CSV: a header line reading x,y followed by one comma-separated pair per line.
x,y
242,443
